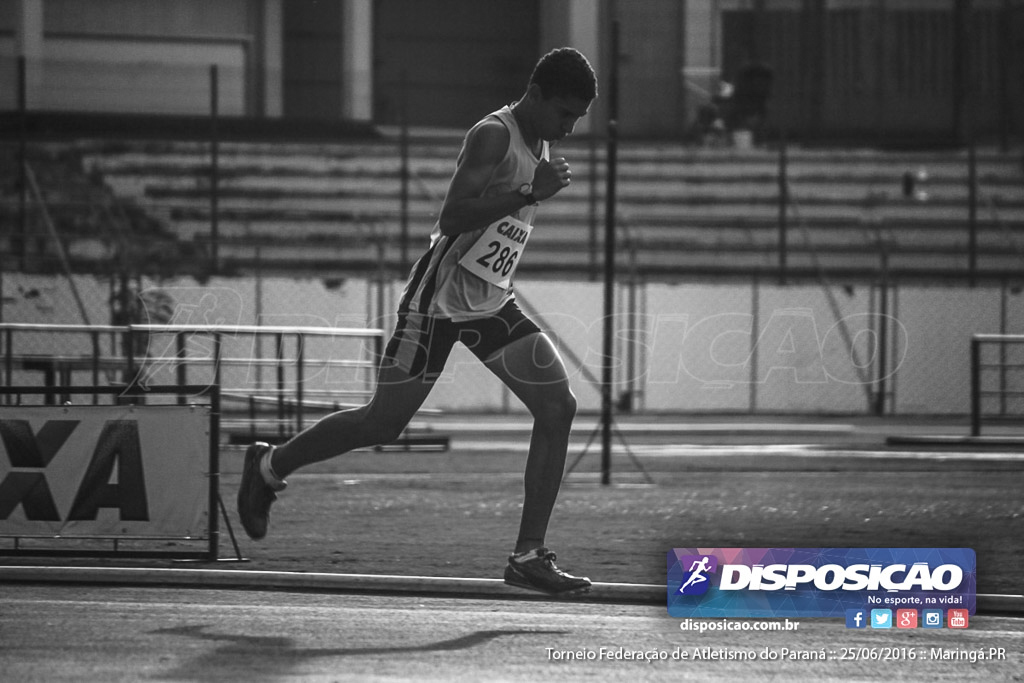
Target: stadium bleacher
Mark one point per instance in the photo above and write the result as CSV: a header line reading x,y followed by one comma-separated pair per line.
x,y
680,209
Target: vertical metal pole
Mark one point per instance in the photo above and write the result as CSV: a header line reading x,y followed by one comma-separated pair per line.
x,y
783,206
755,327
592,270
179,347
881,28
642,361
883,335
21,238
218,352
630,340
94,337
975,387
214,491
129,356
403,143
1004,306
972,209
378,348
257,337
609,262
300,341
892,381
8,362
280,384
1004,57
682,91
214,170
252,417
960,70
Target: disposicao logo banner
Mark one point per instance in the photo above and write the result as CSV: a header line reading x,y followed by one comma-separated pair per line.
x,y
817,582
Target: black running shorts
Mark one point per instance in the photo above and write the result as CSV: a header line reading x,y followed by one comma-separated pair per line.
x,y
421,344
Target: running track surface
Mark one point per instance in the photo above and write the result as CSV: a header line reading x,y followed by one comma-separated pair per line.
x,y
104,633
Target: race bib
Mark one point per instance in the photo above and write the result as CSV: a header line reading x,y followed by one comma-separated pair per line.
x,y
495,256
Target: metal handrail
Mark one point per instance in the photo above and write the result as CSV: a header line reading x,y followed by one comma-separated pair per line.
x,y
977,340
132,364
261,329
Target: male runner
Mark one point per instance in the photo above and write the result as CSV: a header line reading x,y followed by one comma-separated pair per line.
x,y
461,290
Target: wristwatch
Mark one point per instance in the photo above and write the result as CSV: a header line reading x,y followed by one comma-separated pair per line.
x,y
526,189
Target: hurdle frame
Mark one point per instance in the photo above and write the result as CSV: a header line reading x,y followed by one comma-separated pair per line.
x,y
215,504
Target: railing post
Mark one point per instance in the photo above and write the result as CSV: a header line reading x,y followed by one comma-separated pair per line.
x,y
972,210
299,359
755,330
214,489
1004,58
179,352
592,272
975,387
214,170
783,204
20,240
8,361
280,384
1003,330
403,146
217,353
128,343
883,337
95,337
609,265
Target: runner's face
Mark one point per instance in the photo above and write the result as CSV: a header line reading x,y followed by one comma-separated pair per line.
x,y
557,116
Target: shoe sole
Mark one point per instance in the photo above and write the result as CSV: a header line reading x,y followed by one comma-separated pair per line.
x,y
571,592
251,466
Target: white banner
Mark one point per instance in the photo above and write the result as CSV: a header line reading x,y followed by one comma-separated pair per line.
x,y
88,471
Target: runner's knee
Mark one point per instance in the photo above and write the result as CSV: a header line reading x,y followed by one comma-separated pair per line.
x,y
384,428
558,408
391,430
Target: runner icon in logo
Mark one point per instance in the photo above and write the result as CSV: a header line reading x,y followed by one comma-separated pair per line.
x,y
700,566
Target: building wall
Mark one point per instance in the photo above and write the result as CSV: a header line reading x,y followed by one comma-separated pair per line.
x,y
448,62
883,68
870,67
651,93
142,56
312,59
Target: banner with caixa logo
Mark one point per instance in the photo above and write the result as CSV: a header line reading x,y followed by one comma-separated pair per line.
x,y
817,582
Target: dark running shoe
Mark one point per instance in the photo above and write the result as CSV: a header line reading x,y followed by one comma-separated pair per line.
x,y
539,573
254,494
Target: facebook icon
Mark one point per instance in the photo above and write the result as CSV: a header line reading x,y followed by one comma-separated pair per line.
x,y
856,618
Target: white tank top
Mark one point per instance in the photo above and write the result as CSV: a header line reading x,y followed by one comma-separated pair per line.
x,y
438,286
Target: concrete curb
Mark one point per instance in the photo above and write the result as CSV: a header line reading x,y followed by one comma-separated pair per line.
x,y
494,589
585,427
322,581
953,440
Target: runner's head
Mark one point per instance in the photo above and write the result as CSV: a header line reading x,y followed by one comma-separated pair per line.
x,y
565,72
561,89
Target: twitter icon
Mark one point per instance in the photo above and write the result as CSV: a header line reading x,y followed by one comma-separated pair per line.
x,y
881,618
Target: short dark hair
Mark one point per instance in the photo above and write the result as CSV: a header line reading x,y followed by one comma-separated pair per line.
x,y
565,72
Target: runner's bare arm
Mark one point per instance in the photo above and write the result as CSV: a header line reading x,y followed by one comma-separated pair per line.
x,y
465,206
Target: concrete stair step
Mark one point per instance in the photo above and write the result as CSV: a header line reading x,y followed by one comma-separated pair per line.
x,y
677,207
